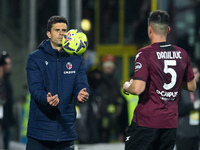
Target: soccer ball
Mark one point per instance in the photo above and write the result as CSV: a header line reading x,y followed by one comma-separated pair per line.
x,y
74,42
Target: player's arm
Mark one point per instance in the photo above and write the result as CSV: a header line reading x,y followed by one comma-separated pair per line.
x,y
189,86
135,87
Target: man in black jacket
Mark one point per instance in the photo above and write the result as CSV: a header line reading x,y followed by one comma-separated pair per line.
x,y
188,130
8,119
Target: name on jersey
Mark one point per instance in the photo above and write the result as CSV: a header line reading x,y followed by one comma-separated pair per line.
x,y
169,55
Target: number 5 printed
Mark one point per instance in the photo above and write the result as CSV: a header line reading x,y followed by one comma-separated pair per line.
x,y
167,69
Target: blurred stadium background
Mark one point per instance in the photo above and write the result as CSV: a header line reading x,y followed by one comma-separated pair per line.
x,y
115,27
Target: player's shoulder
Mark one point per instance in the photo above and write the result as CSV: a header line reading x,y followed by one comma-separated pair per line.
x,y
143,53
145,50
183,51
178,48
36,54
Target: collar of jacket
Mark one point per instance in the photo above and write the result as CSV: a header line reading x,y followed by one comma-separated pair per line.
x,y
46,46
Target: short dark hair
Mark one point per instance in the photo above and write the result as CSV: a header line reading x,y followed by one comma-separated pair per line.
x,y
159,17
159,21
55,19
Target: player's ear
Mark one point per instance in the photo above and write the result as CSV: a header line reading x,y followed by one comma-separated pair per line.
x,y
150,30
49,34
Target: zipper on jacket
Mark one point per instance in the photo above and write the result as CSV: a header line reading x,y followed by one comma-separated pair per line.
x,y
58,61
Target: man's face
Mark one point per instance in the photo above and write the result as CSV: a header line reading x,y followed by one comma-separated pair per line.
x,y
196,74
108,67
7,66
57,32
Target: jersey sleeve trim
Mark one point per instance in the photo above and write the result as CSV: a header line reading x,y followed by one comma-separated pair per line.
x,y
139,78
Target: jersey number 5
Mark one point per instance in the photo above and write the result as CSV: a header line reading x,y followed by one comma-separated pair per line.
x,y
167,69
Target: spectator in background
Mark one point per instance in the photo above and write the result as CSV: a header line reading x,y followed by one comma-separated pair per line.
x,y
2,103
25,104
88,114
106,103
112,107
8,119
188,129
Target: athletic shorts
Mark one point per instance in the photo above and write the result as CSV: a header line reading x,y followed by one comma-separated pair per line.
x,y
143,138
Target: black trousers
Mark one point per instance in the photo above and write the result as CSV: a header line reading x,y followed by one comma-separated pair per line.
x,y
142,138
187,143
33,144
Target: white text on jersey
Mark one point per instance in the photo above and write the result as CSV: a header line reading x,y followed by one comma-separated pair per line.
x,y
169,55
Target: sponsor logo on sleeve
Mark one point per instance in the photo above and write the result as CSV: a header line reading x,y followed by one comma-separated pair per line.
x,y
138,66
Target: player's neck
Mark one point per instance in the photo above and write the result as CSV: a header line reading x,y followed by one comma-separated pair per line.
x,y
158,39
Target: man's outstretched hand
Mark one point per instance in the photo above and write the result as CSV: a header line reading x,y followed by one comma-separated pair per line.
x,y
83,95
52,100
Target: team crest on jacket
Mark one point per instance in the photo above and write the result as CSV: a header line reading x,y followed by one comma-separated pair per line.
x,y
69,65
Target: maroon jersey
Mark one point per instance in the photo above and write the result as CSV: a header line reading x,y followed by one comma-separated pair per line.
x,y
163,67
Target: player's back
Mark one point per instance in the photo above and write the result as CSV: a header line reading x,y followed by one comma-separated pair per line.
x,y
163,67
